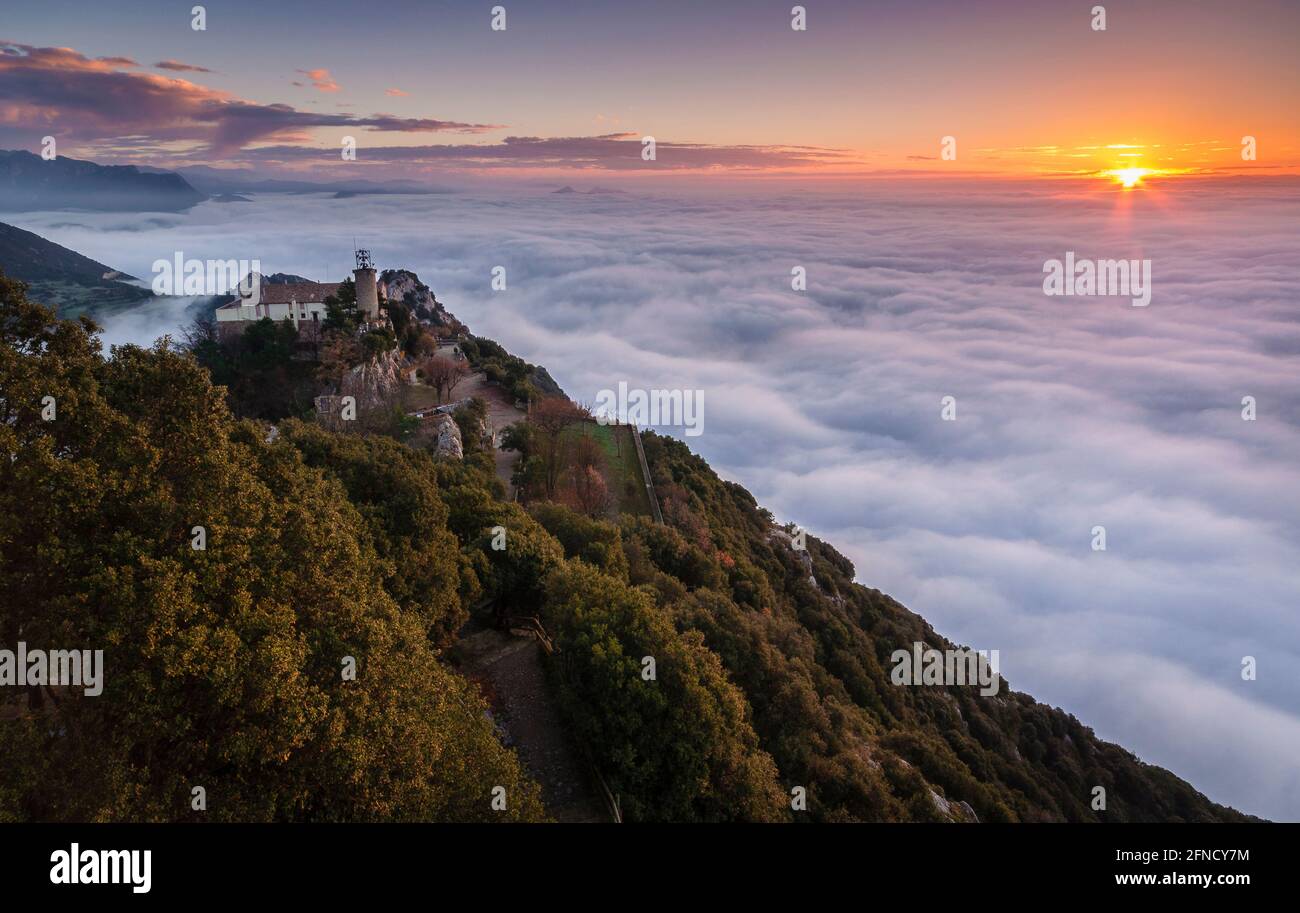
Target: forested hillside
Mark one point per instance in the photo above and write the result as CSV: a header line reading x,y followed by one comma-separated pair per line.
x,y
225,665
811,651
63,277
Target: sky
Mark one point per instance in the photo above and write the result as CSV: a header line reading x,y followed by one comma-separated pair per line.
x,y
429,89
779,149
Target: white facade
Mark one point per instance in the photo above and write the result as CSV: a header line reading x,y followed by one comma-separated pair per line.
x,y
297,311
302,303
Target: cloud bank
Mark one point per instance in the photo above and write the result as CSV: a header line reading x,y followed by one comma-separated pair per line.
x,y
1071,412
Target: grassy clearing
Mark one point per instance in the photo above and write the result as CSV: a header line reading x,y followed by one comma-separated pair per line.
x,y
418,396
622,468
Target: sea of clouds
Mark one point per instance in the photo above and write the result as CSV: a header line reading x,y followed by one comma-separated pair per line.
x,y
1071,412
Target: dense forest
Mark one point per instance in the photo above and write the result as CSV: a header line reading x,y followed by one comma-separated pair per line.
x,y
226,665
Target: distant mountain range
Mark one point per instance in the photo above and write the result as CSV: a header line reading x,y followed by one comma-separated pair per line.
x,y
62,277
232,181
30,183
568,188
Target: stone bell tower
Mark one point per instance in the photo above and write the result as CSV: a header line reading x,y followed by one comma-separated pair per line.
x,y
367,292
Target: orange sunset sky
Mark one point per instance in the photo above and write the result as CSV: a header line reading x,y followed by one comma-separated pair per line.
x,y
1025,88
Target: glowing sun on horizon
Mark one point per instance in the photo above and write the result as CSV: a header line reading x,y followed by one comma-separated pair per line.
x,y
1129,177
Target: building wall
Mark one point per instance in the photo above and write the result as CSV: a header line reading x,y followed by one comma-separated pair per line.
x,y
367,292
306,316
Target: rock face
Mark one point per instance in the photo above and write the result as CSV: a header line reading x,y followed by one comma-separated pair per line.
x,y
486,431
449,441
374,383
405,286
954,811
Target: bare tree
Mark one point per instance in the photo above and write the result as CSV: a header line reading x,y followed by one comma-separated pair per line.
x,y
444,374
590,492
552,417
202,330
587,452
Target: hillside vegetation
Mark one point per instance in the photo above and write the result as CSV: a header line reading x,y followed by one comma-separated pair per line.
x,y
706,667
64,278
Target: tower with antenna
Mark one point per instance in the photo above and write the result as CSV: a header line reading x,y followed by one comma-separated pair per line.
x,y
367,291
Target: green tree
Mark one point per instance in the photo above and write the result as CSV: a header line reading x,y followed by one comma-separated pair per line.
x,y
676,748
222,666
395,488
341,309
259,369
516,572
597,542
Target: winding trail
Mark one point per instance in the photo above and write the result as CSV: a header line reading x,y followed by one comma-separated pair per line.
x,y
502,413
509,670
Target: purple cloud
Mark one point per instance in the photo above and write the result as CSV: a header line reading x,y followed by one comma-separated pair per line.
x,y
59,90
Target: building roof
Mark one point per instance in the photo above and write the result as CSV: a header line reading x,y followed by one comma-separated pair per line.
x,y
302,292
288,292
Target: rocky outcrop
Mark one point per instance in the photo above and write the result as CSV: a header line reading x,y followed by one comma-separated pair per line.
x,y
375,383
371,386
954,811
405,286
805,559
449,442
778,534
486,431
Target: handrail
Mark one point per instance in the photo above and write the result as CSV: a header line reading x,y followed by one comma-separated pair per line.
x,y
645,473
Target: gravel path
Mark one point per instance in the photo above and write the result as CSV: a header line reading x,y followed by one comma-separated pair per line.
x,y
502,413
510,670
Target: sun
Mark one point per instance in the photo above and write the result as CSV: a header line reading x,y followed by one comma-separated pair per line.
x,y
1129,177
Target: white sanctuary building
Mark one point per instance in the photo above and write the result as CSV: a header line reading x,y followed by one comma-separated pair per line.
x,y
301,302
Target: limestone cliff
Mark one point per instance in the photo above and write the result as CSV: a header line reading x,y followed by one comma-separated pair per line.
x,y
449,440
374,383
404,286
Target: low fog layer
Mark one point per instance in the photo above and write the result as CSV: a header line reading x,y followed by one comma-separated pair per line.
x,y
1071,412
